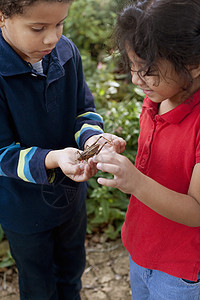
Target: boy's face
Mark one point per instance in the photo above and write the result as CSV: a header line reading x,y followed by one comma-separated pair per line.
x,y
35,33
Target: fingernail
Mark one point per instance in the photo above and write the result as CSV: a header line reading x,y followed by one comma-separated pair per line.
x,y
99,180
99,166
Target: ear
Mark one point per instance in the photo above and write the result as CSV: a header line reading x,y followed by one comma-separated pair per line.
x,y
195,72
2,20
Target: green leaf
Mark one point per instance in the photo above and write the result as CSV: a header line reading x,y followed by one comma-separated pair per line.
x,y
1,234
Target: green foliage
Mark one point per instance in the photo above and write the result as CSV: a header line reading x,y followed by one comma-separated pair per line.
x,y
121,118
106,207
89,25
6,259
1,234
102,82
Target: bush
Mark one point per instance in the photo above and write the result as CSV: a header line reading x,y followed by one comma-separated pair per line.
x,y
89,26
106,207
6,259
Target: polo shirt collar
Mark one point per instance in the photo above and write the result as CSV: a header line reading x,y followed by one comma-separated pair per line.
x,y
177,114
12,64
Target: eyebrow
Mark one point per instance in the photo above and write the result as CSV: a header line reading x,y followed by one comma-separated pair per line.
x,y
139,64
40,23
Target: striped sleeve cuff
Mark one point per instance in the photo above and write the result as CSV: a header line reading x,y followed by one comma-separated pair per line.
x,y
87,128
25,164
90,123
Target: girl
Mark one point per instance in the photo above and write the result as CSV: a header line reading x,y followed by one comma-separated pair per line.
x,y
160,41
46,111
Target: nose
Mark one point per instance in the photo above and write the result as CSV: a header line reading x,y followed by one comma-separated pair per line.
x,y
136,78
51,37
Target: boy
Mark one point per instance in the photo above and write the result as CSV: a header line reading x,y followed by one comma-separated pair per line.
x,y
46,110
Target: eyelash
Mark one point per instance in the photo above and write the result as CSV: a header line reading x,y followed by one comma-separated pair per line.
x,y
150,72
40,29
37,30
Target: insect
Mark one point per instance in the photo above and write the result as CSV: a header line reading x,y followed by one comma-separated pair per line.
x,y
93,149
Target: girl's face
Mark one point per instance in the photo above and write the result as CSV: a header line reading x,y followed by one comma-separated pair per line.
x,y
35,33
167,85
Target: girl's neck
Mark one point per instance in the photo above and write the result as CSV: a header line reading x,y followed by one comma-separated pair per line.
x,y
169,104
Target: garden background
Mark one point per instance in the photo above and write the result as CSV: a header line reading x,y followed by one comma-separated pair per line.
x,y
90,26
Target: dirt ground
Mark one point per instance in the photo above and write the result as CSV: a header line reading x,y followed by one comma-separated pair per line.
x,y
106,275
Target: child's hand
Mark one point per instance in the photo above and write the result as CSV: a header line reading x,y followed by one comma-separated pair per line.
x,y
66,159
75,170
126,176
118,143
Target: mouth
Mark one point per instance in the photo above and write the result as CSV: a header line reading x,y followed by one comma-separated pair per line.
x,y
45,52
147,92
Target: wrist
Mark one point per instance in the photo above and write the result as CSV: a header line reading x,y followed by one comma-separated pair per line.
x,y
139,181
51,159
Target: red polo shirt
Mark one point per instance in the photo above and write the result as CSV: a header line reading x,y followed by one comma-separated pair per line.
x,y
168,149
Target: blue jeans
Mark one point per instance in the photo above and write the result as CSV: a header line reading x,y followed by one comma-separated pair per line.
x,y
149,284
51,263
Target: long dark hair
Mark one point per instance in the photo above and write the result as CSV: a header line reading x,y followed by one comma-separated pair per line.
x,y
161,29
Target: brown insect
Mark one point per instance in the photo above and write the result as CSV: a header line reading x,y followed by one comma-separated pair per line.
x,y
93,149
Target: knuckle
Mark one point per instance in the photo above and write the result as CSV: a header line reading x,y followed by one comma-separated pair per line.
x,y
115,185
118,169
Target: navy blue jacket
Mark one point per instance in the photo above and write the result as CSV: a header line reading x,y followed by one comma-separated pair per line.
x,y
39,113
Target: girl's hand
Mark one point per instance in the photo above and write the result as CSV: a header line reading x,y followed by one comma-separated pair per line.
x,y
125,174
66,160
118,143
178,207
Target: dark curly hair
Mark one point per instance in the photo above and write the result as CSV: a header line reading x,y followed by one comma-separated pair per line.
x,y
11,7
161,29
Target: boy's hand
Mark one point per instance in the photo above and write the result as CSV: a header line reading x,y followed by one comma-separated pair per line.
x,y
118,143
66,160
